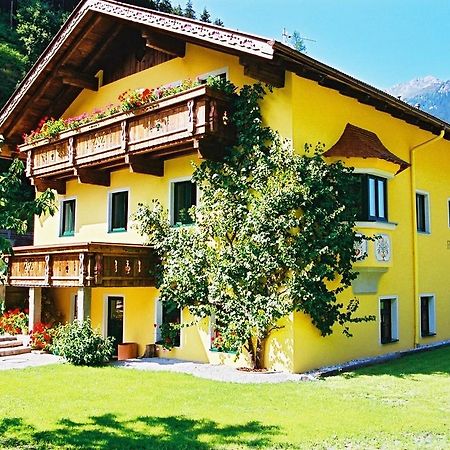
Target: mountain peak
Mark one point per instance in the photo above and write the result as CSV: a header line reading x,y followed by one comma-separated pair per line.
x,y
428,93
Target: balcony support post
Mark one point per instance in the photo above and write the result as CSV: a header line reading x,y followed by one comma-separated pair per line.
x,y
34,306
84,296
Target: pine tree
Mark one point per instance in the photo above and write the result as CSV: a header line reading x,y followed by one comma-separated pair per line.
x,y
218,22
178,10
205,16
189,10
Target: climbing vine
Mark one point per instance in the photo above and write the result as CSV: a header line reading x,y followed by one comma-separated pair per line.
x,y
274,234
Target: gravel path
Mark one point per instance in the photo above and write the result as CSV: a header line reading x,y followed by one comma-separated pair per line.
x,y
28,360
211,371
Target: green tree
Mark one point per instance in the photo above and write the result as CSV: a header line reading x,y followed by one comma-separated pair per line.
x,y
17,203
205,16
178,10
298,42
218,22
189,11
12,68
37,23
274,234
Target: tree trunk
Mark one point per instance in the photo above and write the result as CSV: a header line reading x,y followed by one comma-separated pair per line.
x,y
256,350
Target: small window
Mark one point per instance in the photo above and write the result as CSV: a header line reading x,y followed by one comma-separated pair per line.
x,y
118,211
388,320
427,316
67,218
184,196
373,191
422,212
165,315
448,212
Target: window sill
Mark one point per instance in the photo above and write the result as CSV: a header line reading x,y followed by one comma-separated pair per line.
x,y
67,235
376,224
424,233
216,350
118,230
393,341
428,335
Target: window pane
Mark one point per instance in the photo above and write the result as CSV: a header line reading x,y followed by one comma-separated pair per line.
x,y
185,196
372,198
386,321
68,219
421,213
381,199
119,211
425,316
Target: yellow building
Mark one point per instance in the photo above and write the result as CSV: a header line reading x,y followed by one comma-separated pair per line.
x,y
87,260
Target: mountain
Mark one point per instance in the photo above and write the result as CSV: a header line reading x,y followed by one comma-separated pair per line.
x,y
429,94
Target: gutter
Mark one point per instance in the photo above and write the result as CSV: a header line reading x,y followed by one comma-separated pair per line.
x,y
412,159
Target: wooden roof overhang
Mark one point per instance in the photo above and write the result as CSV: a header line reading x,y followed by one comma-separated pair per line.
x,y
90,264
96,27
356,142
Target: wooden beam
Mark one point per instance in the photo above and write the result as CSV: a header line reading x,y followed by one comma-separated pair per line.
x,y
42,184
149,166
164,43
78,79
272,74
92,176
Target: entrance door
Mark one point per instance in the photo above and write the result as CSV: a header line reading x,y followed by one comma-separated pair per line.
x,y
115,320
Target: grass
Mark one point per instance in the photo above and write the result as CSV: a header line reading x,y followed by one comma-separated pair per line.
x,y
400,405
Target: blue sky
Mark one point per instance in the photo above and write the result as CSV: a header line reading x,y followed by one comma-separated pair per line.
x,y
382,42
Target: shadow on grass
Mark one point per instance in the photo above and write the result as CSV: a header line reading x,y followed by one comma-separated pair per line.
x,y
109,432
429,362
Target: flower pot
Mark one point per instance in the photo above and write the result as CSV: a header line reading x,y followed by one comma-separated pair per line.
x,y
127,350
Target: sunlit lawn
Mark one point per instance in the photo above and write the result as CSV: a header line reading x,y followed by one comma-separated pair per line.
x,y
403,404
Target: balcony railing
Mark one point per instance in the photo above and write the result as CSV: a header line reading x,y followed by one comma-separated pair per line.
x,y
81,265
194,120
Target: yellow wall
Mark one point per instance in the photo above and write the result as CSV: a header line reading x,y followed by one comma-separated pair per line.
x,y
306,113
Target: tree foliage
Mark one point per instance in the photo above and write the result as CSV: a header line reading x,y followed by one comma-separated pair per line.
x,y
17,203
274,234
37,23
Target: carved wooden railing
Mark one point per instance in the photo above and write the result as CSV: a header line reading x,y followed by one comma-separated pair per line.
x,y
85,264
196,119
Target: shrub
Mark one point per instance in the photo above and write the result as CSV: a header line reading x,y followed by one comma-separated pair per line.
x,y
14,322
41,336
81,345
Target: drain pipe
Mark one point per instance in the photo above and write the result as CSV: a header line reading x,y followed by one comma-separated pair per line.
x,y
412,159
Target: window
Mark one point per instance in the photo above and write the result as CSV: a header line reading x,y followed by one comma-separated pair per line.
x,y
184,196
422,212
373,191
118,211
165,315
67,226
388,320
448,212
427,316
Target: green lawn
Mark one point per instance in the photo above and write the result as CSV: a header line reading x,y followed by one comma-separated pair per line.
x,y
403,404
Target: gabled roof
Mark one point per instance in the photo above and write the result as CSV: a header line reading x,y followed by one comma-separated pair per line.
x,y
360,143
93,30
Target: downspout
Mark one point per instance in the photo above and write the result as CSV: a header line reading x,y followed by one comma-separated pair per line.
x,y
412,160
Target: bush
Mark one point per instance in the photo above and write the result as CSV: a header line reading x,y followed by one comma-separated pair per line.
x,y
14,322
81,345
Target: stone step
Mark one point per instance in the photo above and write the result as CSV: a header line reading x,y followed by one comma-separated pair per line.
x,y
7,338
9,344
14,351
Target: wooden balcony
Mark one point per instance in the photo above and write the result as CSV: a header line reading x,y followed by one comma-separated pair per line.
x,y
81,265
192,121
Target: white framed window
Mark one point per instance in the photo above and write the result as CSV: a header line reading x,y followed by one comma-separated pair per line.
x,y
427,315
165,315
423,212
220,73
118,210
388,308
448,212
183,195
67,216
